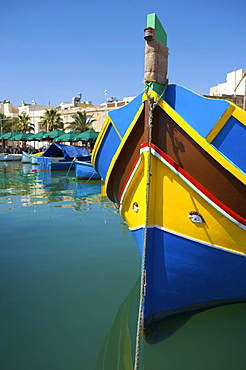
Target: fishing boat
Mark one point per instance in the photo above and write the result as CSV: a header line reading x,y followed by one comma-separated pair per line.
x,y
174,163
26,157
34,157
10,157
60,157
85,170
30,158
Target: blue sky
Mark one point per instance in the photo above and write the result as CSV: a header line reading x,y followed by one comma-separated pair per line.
x,y
53,50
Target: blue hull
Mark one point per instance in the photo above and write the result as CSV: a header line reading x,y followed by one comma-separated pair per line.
x,y
55,164
85,170
184,276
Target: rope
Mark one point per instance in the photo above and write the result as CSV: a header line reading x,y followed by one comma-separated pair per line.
x,y
74,159
152,106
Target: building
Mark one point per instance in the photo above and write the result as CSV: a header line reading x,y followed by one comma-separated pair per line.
x,y
234,80
65,109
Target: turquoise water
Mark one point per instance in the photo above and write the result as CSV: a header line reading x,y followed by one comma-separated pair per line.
x,y
69,283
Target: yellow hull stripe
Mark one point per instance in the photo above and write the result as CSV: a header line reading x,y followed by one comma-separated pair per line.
x,y
220,124
100,139
240,115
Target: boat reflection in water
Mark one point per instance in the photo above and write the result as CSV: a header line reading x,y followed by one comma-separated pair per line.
x,y
41,187
203,331
57,184
117,351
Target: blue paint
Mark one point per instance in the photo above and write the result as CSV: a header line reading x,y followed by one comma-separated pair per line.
x,y
231,142
123,117
85,170
108,147
45,164
181,272
199,112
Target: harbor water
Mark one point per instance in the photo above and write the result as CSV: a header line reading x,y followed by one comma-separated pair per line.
x,y
69,286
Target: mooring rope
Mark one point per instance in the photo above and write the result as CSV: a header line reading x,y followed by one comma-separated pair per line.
x,y
152,106
74,159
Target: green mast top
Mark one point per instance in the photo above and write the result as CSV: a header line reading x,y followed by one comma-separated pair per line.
x,y
156,55
159,32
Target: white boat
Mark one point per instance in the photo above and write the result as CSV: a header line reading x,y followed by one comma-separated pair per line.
x,y
26,157
10,157
30,158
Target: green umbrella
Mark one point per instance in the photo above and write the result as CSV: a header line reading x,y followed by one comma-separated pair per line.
x,y
9,135
87,135
39,136
31,136
68,136
22,136
53,134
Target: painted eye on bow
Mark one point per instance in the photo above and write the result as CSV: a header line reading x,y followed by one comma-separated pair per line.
x,y
196,217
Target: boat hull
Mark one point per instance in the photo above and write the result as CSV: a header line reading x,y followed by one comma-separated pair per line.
x,y
55,164
185,276
190,266
85,170
10,157
182,198
26,158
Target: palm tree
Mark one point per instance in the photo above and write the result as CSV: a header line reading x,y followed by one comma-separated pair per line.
x,y
81,122
24,124
51,120
5,122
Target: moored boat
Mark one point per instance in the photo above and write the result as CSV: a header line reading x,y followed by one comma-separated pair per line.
x,y
26,157
10,157
60,157
85,170
174,163
34,157
30,158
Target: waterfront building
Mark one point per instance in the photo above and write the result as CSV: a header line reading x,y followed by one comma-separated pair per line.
x,y
234,80
65,109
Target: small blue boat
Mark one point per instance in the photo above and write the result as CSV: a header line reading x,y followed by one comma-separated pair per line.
x,y
85,170
61,157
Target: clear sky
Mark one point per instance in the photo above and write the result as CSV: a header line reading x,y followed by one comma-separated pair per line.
x,y
51,50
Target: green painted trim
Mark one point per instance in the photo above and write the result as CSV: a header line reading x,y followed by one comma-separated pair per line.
x,y
154,86
160,33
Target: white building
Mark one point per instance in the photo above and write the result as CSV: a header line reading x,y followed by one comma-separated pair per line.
x,y
66,110
234,80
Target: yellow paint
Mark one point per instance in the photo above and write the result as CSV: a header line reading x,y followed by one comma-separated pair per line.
x,y
240,115
235,111
220,123
171,200
117,132
202,142
100,139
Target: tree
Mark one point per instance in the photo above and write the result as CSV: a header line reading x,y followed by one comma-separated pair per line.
x,y
81,122
24,124
6,123
51,120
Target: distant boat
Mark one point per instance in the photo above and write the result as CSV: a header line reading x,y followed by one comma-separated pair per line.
x,y
30,158
174,162
26,157
60,157
10,157
85,170
34,157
